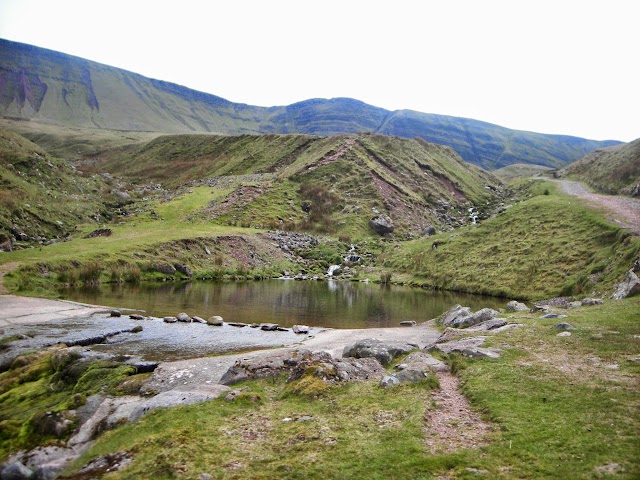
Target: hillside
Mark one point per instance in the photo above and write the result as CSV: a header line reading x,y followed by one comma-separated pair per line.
x,y
46,86
612,170
327,184
43,198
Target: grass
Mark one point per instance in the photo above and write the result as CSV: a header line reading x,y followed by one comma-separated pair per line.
x,y
559,412
546,246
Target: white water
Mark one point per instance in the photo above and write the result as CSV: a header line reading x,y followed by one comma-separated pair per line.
x,y
332,269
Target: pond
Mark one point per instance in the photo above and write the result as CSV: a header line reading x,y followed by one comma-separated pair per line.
x,y
333,304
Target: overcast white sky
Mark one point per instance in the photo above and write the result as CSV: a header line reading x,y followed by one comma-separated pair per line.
x,y
550,66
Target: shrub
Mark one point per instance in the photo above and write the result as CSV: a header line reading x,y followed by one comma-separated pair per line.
x,y
90,273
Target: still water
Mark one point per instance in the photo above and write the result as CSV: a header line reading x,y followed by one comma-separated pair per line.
x,y
334,304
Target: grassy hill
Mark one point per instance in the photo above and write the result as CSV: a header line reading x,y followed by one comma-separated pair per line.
x,y
46,86
43,198
518,170
325,184
614,170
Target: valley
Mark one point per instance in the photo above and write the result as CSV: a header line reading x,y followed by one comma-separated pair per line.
x,y
320,290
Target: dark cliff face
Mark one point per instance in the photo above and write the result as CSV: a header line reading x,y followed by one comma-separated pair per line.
x,y
49,86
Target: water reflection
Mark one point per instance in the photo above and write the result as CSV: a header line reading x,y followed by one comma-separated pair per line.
x,y
330,304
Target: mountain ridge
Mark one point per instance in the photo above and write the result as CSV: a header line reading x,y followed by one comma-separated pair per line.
x,y
49,86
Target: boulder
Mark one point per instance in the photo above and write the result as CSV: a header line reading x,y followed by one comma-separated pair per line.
x,y
166,269
184,269
262,366
381,224
300,329
196,319
115,313
237,324
169,319
216,321
384,352
135,316
454,313
564,326
425,362
468,347
591,301
183,317
461,317
430,230
514,306
408,323
628,287
15,471
269,327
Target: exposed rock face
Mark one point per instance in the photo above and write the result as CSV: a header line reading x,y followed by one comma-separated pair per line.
x,y
263,366
384,352
381,224
629,287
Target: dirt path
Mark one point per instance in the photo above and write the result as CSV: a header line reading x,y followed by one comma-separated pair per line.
x,y
452,424
625,211
4,269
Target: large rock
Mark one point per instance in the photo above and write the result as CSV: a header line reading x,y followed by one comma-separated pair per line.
x,y
628,287
384,352
381,224
15,471
177,397
184,269
166,269
514,306
183,317
423,361
468,347
263,366
454,313
461,317
216,321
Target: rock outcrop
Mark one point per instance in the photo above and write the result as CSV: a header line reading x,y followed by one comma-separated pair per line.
x,y
629,287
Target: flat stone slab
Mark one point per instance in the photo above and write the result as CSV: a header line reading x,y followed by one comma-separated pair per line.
x,y
15,310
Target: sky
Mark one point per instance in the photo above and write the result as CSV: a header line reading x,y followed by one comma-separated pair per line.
x,y
561,67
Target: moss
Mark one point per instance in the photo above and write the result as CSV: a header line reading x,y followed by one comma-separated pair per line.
x,y
103,377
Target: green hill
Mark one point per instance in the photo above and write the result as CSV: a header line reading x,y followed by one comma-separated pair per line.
x,y
43,198
46,86
613,170
330,184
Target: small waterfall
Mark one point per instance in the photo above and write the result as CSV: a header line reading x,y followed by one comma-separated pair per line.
x,y
473,215
332,269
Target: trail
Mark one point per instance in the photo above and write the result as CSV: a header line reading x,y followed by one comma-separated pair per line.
x,y
625,211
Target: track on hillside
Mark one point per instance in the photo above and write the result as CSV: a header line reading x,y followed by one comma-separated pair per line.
x,y
625,211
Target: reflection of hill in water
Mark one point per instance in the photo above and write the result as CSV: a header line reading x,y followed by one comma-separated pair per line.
x,y
332,304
